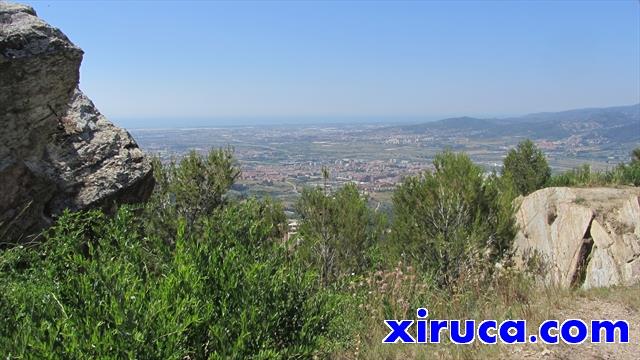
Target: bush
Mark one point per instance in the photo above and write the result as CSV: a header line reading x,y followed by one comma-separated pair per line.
x,y
98,287
215,281
527,167
448,217
627,174
623,174
337,231
188,189
580,176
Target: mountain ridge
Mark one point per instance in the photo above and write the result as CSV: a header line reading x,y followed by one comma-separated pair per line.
x,y
603,125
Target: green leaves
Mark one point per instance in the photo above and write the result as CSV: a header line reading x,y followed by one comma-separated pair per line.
x,y
446,217
337,231
189,190
200,277
622,174
227,292
527,167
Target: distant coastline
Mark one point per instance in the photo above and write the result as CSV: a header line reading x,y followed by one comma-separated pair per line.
x,y
158,123
194,123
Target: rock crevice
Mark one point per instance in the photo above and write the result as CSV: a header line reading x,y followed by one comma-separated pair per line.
x,y
593,240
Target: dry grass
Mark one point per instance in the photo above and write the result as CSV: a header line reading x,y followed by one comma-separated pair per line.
x,y
505,294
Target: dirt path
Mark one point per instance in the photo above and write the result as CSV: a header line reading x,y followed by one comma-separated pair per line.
x,y
588,309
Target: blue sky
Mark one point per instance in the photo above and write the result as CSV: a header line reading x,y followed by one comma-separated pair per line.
x,y
175,60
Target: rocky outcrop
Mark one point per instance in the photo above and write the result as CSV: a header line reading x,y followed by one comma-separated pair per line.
x,y
56,150
581,237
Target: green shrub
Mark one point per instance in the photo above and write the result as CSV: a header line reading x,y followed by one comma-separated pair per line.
x,y
622,174
446,218
627,174
198,277
97,288
187,189
527,167
337,231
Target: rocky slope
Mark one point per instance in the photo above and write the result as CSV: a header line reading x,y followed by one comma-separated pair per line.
x,y
56,150
581,237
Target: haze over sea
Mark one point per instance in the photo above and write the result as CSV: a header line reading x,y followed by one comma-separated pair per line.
x,y
186,123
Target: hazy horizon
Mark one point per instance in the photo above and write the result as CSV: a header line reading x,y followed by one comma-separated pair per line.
x,y
351,60
175,123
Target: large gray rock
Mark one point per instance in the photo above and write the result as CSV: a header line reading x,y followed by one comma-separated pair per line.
x,y
56,150
588,237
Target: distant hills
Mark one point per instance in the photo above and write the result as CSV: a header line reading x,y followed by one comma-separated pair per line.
x,y
594,125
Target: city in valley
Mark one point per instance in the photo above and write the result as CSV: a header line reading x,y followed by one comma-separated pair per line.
x,y
279,161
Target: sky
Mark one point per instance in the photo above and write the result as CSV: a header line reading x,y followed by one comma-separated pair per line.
x,y
169,61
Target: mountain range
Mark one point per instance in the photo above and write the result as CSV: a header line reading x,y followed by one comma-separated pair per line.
x,y
611,125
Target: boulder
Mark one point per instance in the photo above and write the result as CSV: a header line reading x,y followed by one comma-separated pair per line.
x,y
582,237
56,150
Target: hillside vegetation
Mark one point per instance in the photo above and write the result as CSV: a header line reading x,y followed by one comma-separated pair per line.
x,y
193,274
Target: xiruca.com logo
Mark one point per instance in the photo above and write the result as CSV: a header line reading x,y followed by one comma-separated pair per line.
x,y
571,331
